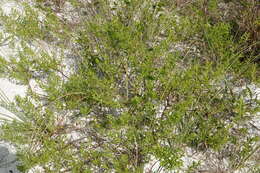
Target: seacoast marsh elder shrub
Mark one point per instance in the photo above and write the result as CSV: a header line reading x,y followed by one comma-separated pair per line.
x,y
121,81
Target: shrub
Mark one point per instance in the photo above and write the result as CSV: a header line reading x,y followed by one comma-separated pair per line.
x,y
130,92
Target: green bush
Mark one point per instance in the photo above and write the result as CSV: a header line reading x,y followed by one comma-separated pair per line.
x,y
146,79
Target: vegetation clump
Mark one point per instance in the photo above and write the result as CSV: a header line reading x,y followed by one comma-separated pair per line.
x,y
147,78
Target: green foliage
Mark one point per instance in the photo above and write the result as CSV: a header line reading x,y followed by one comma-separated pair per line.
x,y
132,92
